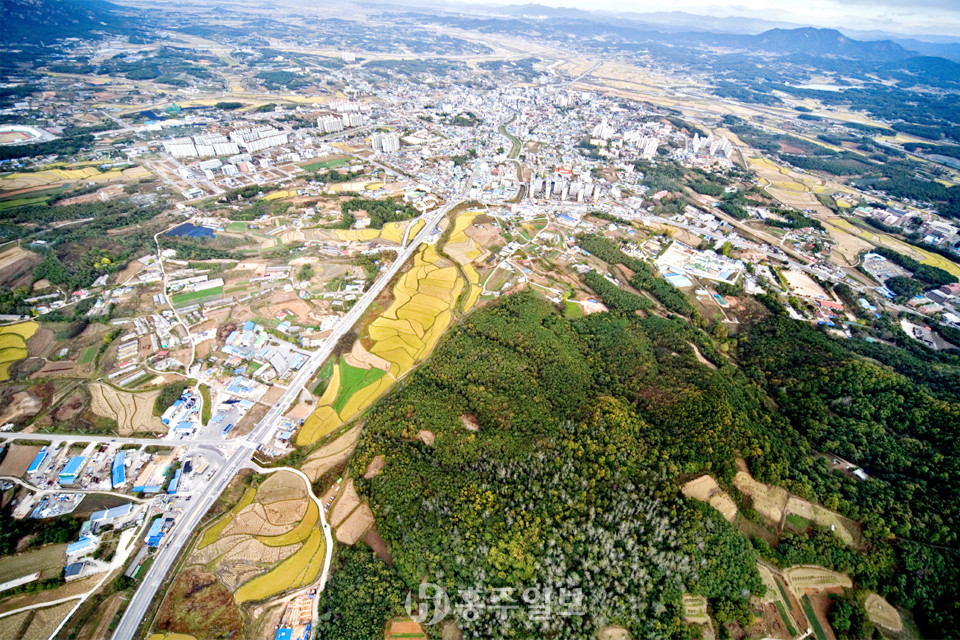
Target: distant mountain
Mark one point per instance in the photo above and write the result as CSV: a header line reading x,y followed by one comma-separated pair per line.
x,y
33,21
948,50
825,42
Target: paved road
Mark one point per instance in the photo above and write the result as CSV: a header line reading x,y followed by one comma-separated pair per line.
x,y
59,437
176,540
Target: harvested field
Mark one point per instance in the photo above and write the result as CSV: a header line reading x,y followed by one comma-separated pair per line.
x,y
298,570
374,468
706,489
613,633
356,524
49,561
695,609
331,455
282,485
67,590
882,613
403,628
23,404
769,501
198,605
285,512
46,620
848,530
17,461
803,577
345,504
132,411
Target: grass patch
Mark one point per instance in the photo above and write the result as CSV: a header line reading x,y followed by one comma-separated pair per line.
x,y
812,617
87,356
207,404
193,296
352,379
798,523
328,164
572,310
237,227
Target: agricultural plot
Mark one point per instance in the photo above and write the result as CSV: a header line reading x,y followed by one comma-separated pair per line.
x,y
882,613
403,335
706,489
49,561
13,345
193,296
133,412
847,529
465,250
267,543
17,461
331,455
37,624
768,500
803,577
695,609
403,628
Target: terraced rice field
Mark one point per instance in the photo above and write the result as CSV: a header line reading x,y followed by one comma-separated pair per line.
x,y
133,412
392,231
403,335
464,250
17,181
268,543
13,345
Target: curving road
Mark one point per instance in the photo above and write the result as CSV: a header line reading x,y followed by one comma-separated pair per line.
x,y
177,539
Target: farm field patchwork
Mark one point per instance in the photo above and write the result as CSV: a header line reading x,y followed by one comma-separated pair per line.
x,y
268,543
13,345
133,412
402,335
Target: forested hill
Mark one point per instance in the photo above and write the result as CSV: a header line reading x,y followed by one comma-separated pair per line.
x,y
559,445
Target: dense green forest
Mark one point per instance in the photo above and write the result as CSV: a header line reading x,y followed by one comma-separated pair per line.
x,y
593,504
559,445
380,212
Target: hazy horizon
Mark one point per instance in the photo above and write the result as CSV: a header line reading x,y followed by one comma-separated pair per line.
x,y
938,17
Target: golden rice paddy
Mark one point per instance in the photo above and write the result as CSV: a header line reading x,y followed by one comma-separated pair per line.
x,y
13,345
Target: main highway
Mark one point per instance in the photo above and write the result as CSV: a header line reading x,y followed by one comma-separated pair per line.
x,y
176,540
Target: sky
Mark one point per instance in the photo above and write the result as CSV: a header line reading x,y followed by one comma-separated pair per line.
x,y
894,16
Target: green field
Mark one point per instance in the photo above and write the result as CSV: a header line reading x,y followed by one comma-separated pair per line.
x,y
329,164
572,310
352,380
786,620
193,296
21,202
812,617
798,523
87,356
237,227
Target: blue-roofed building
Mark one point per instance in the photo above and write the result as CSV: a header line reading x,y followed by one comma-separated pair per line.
x,y
72,470
37,461
156,532
81,546
73,571
249,325
147,488
283,633
174,483
118,474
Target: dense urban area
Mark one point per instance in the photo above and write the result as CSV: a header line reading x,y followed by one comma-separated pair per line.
x,y
354,322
